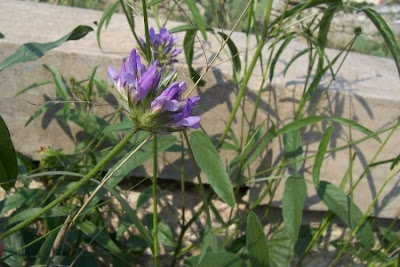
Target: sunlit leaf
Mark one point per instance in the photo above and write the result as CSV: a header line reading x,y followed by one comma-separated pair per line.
x,y
210,163
105,18
386,33
32,51
198,19
293,200
256,242
339,203
323,145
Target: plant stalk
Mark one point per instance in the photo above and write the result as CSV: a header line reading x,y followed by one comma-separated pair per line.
x,y
146,32
155,219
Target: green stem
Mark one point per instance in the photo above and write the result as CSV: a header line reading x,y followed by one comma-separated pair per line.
x,y
247,76
155,219
130,19
146,31
111,155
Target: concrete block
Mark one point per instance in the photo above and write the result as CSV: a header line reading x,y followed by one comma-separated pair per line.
x,y
365,90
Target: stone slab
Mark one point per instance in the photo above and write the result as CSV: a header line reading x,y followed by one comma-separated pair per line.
x,y
366,90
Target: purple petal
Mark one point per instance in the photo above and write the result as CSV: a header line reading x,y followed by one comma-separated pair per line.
x,y
122,72
146,82
194,99
176,52
192,122
132,63
113,74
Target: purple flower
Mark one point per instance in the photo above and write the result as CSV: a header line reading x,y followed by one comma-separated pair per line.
x,y
162,46
135,80
169,99
152,96
183,118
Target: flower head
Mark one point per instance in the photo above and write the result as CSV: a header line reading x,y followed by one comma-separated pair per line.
x,y
152,96
162,46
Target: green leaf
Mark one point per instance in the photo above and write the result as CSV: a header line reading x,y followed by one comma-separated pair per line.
x,y
280,249
139,158
188,48
357,127
216,259
144,196
132,216
44,251
325,24
165,234
260,147
33,85
210,163
61,89
24,196
101,237
293,200
323,145
300,7
39,111
339,203
298,124
90,85
12,244
32,51
386,33
184,28
8,158
234,52
294,148
294,58
26,213
198,20
256,242
105,18
278,54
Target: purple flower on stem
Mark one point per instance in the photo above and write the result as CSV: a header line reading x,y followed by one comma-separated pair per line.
x,y
153,97
134,80
183,118
169,98
162,46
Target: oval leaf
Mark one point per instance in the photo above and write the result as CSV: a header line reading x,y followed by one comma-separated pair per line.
x,y
339,203
101,237
206,156
216,259
8,158
293,199
256,241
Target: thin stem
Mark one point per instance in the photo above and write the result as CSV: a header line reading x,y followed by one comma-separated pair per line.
x,y
366,214
246,79
111,155
201,187
155,219
146,32
130,19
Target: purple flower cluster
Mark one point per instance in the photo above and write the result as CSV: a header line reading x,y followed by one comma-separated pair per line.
x,y
162,46
152,96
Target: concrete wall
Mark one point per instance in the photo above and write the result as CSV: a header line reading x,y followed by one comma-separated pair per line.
x,y
366,90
